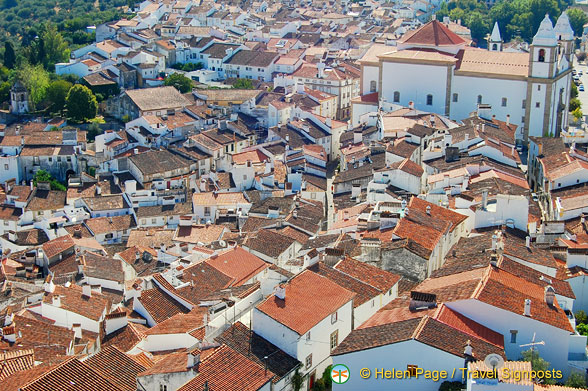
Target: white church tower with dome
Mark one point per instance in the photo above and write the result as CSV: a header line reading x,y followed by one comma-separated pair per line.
x,y
437,71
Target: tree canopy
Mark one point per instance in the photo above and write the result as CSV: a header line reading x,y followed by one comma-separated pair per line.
x,y
180,82
81,104
516,18
243,84
36,80
56,95
44,176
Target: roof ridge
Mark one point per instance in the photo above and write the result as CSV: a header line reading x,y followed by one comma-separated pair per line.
x,y
420,327
482,282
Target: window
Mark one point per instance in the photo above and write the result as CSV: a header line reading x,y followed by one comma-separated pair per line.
x,y
504,100
522,120
494,47
334,339
524,103
308,336
455,97
479,99
373,303
50,159
412,369
542,55
429,100
513,336
143,221
6,167
396,96
333,317
537,104
308,362
162,387
207,211
153,221
373,86
539,87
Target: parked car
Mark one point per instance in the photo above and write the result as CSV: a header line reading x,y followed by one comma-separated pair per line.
x,y
581,88
534,197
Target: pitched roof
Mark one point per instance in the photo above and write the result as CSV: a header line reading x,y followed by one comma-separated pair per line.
x,y
433,33
310,298
238,264
374,276
268,242
160,305
102,225
157,98
117,367
11,362
73,300
159,162
58,245
241,339
71,375
227,370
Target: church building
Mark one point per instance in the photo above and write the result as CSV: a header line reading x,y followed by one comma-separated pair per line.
x,y
435,70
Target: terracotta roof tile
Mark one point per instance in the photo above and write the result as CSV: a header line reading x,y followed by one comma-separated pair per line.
x,y
310,298
72,375
433,33
57,246
102,225
160,305
14,361
239,264
227,370
117,367
374,276
73,300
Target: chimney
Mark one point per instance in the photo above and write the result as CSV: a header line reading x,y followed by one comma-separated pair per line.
x,y
494,241
22,141
527,311
12,236
49,286
56,301
549,295
357,137
87,290
494,260
484,198
77,232
193,360
10,334
411,105
508,120
528,242
280,292
135,151
355,190
321,70
98,189
77,328
429,210
468,351
96,288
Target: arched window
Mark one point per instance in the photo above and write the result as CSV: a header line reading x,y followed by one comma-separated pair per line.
x,y
479,99
429,100
542,55
373,86
494,47
396,96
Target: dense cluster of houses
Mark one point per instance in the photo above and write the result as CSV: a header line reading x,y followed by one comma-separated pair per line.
x,y
364,204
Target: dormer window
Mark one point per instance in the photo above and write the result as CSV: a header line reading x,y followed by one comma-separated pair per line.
x,y
542,55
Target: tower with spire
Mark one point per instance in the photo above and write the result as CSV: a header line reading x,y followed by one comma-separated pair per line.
x,y
495,40
543,51
565,34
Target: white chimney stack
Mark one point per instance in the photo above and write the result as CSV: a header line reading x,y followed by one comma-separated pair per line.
x,y
281,291
193,360
10,334
508,120
56,301
87,290
527,311
357,137
484,198
494,241
114,322
528,242
49,286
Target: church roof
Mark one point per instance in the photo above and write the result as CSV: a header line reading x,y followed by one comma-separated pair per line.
x,y
495,37
433,33
563,29
545,35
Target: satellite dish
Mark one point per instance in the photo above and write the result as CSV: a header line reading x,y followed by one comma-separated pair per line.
x,y
494,361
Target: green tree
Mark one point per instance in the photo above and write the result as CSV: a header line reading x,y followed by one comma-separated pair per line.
x,y
327,377
576,380
4,92
577,114
81,104
56,94
574,91
577,19
55,47
44,176
93,131
540,8
180,82
297,380
478,25
9,55
537,364
581,317
36,79
243,84
575,103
